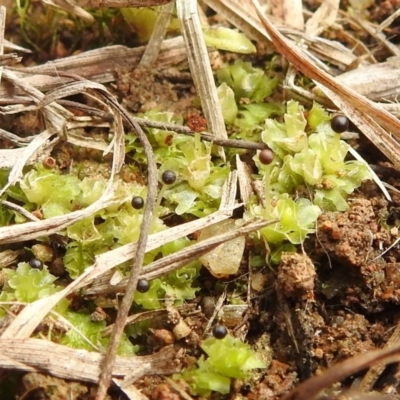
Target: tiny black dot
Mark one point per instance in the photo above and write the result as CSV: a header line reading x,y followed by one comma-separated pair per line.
x,y
143,285
266,156
35,263
137,202
168,177
339,123
219,331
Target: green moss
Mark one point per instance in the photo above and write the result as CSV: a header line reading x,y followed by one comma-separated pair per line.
x,y
87,335
179,285
228,358
26,284
247,82
316,159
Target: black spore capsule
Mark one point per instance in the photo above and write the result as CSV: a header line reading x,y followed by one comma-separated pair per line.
x,y
143,285
219,331
168,177
35,263
137,202
266,156
339,123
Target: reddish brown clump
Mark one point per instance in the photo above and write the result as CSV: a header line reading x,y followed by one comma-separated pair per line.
x,y
196,123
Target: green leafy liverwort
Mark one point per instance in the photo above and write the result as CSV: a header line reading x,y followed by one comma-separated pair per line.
x,y
309,172
309,165
228,358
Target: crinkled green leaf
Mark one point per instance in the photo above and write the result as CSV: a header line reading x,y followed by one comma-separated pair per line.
x,y
77,258
231,357
247,82
228,104
28,284
317,116
151,299
50,190
227,358
85,328
228,39
296,219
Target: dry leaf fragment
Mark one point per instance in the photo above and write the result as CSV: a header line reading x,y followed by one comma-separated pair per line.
x,y
225,259
323,18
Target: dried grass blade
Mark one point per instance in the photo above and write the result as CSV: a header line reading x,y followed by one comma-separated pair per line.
x,y
174,261
385,142
54,114
160,29
83,365
309,389
323,17
10,157
30,151
200,66
34,230
72,8
2,30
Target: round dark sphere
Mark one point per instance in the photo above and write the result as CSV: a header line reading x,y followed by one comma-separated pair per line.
x,y
219,331
137,202
35,263
340,123
168,177
266,156
143,285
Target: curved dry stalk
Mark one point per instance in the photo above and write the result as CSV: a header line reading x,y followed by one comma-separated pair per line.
x,y
309,389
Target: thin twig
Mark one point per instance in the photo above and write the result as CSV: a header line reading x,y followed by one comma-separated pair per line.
x,y
238,144
29,216
109,360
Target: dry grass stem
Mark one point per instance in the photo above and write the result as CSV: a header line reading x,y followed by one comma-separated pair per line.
x,y
176,260
374,372
2,29
131,392
67,363
153,47
200,67
70,7
98,65
377,35
245,179
309,389
388,21
323,18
